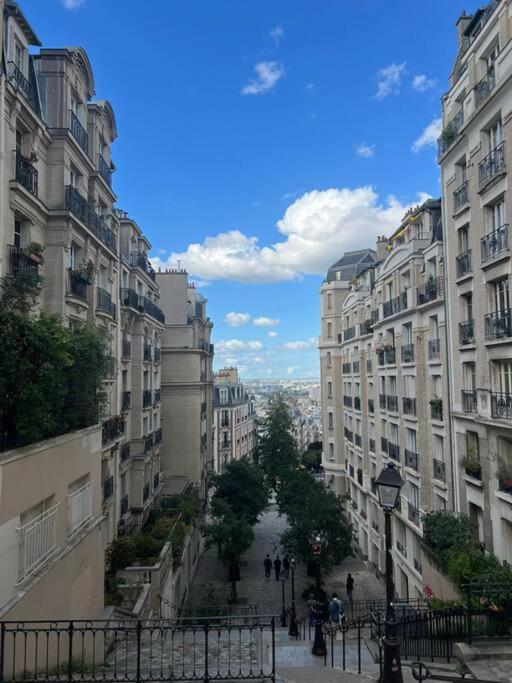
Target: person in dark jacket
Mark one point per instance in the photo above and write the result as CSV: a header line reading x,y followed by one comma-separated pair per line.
x,y
277,567
350,587
286,566
267,563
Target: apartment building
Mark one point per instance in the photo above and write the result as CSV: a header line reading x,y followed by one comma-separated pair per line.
x,y
234,420
474,153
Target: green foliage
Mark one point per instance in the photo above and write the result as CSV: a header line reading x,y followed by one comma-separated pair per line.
x,y
120,554
311,458
315,446
20,293
162,528
113,595
147,546
276,450
177,539
187,502
229,531
443,531
242,486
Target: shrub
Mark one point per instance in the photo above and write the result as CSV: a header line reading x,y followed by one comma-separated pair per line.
x,y
162,528
147,546
177,543
120,554
443,531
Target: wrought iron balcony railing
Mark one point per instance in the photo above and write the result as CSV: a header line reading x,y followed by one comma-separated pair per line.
x,y
439,470
26,173
413,514
76,284
126,349
17,76
348,434
140,260
148,442
78,131
492,164
112,429
467,332
468,400
21,260
409,405
463,262
411,459
350,333
434,349
125,400
366,327
408,353
124,504
357,403
105,170
436,409
347,401
356,367
498,325
394,451
104,302
140,303
108,488
430,290
146,398
85,211
501,405
392,403
494,243
450,133
399,303
461,196
484,87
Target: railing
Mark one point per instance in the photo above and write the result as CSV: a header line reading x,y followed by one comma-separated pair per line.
x,y
357,439
467,332
156,481
488,609
434,349
468,400
153,310
436,409
394,451
148,442
399,303
491,164
125,400
355,367
112,429
77,284
484,87
125,452
360,476
20,260
346,368
124,504
79,507
140,260
126,349
348,434
390,355
382,401
411,459
371,407
366,327
450,133
108,488
413,514
463,262
147,352
430,290
349,333
104,302
145,492
26,174
85,211
146,398
371,444
498,325
140,303
357,403
501,405
439,470
105,170
383,444
494,243
78,131
158,436
21,81
369,365
408,353
409,405
157,397
158,354
392,403
461,196
347,401
37,540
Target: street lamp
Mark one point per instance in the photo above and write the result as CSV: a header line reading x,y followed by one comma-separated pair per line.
x,y
319,647
283,612
293,630
388,483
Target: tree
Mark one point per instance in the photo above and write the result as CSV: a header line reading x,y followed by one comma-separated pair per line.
x,y
242,486
276,448
311,459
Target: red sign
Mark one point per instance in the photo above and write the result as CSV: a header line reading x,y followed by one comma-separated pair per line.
x,y
317,549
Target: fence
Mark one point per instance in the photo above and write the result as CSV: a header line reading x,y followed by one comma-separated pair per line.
x,y
489,608
135,651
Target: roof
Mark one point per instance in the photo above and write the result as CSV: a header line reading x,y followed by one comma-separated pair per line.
x,y
232,397
352,264
14,9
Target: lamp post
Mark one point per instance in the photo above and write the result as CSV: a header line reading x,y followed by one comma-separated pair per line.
x,y
319,647
283,612
293,630
388,483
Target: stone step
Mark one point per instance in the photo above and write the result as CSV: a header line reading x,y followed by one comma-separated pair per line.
x,y
320,675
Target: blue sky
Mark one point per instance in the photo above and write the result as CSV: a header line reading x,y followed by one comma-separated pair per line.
x,y
259,140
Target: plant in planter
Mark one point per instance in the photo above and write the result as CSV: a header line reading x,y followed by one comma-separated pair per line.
x,y
35,251
505,476
436,403
87,271
471,463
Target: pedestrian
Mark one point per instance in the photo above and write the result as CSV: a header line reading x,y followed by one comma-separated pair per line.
x,y
335,609
350,588
286,566
267,563
311,607
277,567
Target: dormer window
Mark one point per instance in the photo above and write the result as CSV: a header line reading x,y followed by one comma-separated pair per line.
x,y
19,56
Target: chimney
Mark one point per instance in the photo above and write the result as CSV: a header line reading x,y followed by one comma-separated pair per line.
x,y
462,24
381,249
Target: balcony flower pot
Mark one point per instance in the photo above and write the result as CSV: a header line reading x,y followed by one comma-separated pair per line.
x,y
35,252
87,272
472,465
436,403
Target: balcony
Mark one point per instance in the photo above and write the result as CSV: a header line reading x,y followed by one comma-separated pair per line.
x,y
366,327
348,434
357,403
158,355
369,365
347,401
373,486
411,459
390,355
450,133
124,452
371,445
498,325
463,263
434,349
26,174
21,260
104,302
501,405
357,439
409,405
461,196
439,470
125,400
146,398
375,525
156,481
147,353
76,284
108,488
157,397
436,409
140,303
431,290
355,367
374,316
383,444
413,514
392,403
158,436
394,451
492,164
382,401
401,548
21,82
85,212
494,244
346,368
105,170
124,505
349,333
360,476
126,348
381,358
399,303
468,401
138,259
78,131
484,87
145,493
371,407
407,353
112,429
148,442
505,485
467,332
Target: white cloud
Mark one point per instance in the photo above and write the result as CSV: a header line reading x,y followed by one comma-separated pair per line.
x,y
231,345
365,151
389,80
276,34
428,137
237,319
72,4
310,86
420,83
267,76
300,345
272,334
316,229
263,321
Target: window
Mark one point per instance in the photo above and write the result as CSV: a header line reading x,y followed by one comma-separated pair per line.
x,y
433,328
440,503
79,504
407,334
329,300
495,215
502,376
410,440
499,295
475,515
469,376
19,56
331,451
495,135
436,386
74,177
329,330
492,56
466,306
329,359
463,238
414,494
330,420
405,280
393,433
392,386
409,386
19,141
472,445
438,447
19,236
329,389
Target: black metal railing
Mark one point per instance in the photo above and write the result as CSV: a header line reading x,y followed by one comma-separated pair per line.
x,y
468,400
112,429
485,86
467,332
392,403
78,131
145,492
382,402
390,355
349,333
461,196
76,284
366,327
498,325
357,439
26,173
158,354
140,303
125,452
126,348
450,133
399,303
463,263
355,367
139,260
501,405
494,243
108,488
492,164
413,514
357,403
431,290
411,459
347,401
147,352
348,434
409,405
21,260
148,442
408,353
346,368
371,445
439,470
394,451
156,481
85,211
125,400
105,170
371,407
104,302
158,436
434,349
146,398
153,310
436,409
359,476
157,396
17,76
124,504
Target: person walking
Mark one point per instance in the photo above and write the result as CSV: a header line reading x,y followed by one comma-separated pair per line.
x,y
267,563
350,588
286,566
335,609
277,567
